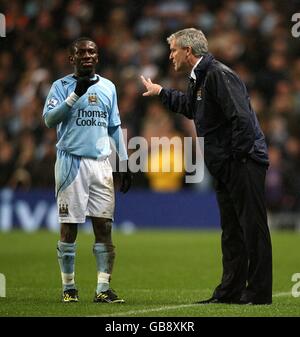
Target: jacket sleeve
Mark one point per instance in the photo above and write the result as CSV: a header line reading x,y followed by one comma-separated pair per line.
x,y
231,95
177,101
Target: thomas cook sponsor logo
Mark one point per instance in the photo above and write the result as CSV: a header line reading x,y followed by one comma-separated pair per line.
x,y
91,118
92,99
63,210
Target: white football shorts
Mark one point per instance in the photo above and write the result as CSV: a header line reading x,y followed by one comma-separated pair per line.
x,y
91,193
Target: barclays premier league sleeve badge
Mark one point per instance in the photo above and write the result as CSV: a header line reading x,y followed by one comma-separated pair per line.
x,y
52,102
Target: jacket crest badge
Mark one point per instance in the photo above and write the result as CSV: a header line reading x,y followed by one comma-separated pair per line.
x,y
199,94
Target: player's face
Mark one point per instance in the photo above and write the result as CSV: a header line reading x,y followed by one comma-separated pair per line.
x,y
85,58
179,56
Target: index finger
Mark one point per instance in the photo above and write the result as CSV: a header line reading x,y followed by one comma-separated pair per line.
x,y
144,80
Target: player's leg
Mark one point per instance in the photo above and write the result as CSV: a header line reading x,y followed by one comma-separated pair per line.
x,y
101,207
72,197
104,252
66,250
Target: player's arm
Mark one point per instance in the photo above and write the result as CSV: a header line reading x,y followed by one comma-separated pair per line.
x,y
57,106
114,126
174,100
116,134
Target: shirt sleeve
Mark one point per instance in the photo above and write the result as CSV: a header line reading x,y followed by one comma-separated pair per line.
x,y
114,118
55,108
116,134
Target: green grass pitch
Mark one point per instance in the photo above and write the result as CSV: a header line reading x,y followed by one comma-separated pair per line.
x,y
158,273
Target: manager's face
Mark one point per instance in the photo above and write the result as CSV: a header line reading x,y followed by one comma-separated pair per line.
x,y
179,56
84,58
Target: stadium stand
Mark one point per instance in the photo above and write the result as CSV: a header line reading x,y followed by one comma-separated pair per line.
x,y
253,37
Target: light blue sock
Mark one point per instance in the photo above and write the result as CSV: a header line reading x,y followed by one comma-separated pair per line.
x,y
66,260
105,256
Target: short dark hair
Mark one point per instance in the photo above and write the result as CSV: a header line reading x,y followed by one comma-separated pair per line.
x,y
74,43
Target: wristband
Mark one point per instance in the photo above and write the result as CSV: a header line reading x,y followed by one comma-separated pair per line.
x,y
72,99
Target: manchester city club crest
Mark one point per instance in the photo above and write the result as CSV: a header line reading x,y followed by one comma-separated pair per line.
x,y
63,210
199,94
93,99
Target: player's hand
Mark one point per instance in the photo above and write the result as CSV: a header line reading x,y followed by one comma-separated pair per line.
x,y
123,179
126,181
82,85
152,88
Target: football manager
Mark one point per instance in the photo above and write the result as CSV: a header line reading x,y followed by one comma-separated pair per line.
x,y
235,155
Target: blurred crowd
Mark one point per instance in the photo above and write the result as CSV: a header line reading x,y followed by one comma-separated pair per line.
x,y
252,37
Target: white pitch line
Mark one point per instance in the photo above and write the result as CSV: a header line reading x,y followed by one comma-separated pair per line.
x,y
282,294
170,307
134,312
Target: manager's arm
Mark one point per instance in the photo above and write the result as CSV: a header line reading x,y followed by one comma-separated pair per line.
x,y
231,95
174,100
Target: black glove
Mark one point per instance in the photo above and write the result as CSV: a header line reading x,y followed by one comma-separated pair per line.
x,y
82,85
124,179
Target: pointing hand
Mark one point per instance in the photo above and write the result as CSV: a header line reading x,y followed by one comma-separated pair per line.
x,y
152,88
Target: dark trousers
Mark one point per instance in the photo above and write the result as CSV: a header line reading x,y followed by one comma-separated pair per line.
x,y
246,241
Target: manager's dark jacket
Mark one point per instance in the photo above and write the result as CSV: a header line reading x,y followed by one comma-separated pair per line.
x,y
235,153
219,104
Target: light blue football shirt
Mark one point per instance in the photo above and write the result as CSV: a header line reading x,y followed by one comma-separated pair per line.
x,y
82,130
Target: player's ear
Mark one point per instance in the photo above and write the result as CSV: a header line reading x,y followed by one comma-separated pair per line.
x,y
71,59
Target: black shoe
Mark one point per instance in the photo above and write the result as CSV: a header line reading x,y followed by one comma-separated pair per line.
x,y
214,300
70,295
108,296
254,302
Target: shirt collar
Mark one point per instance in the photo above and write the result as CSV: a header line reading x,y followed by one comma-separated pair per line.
x,y
193,75
96,76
